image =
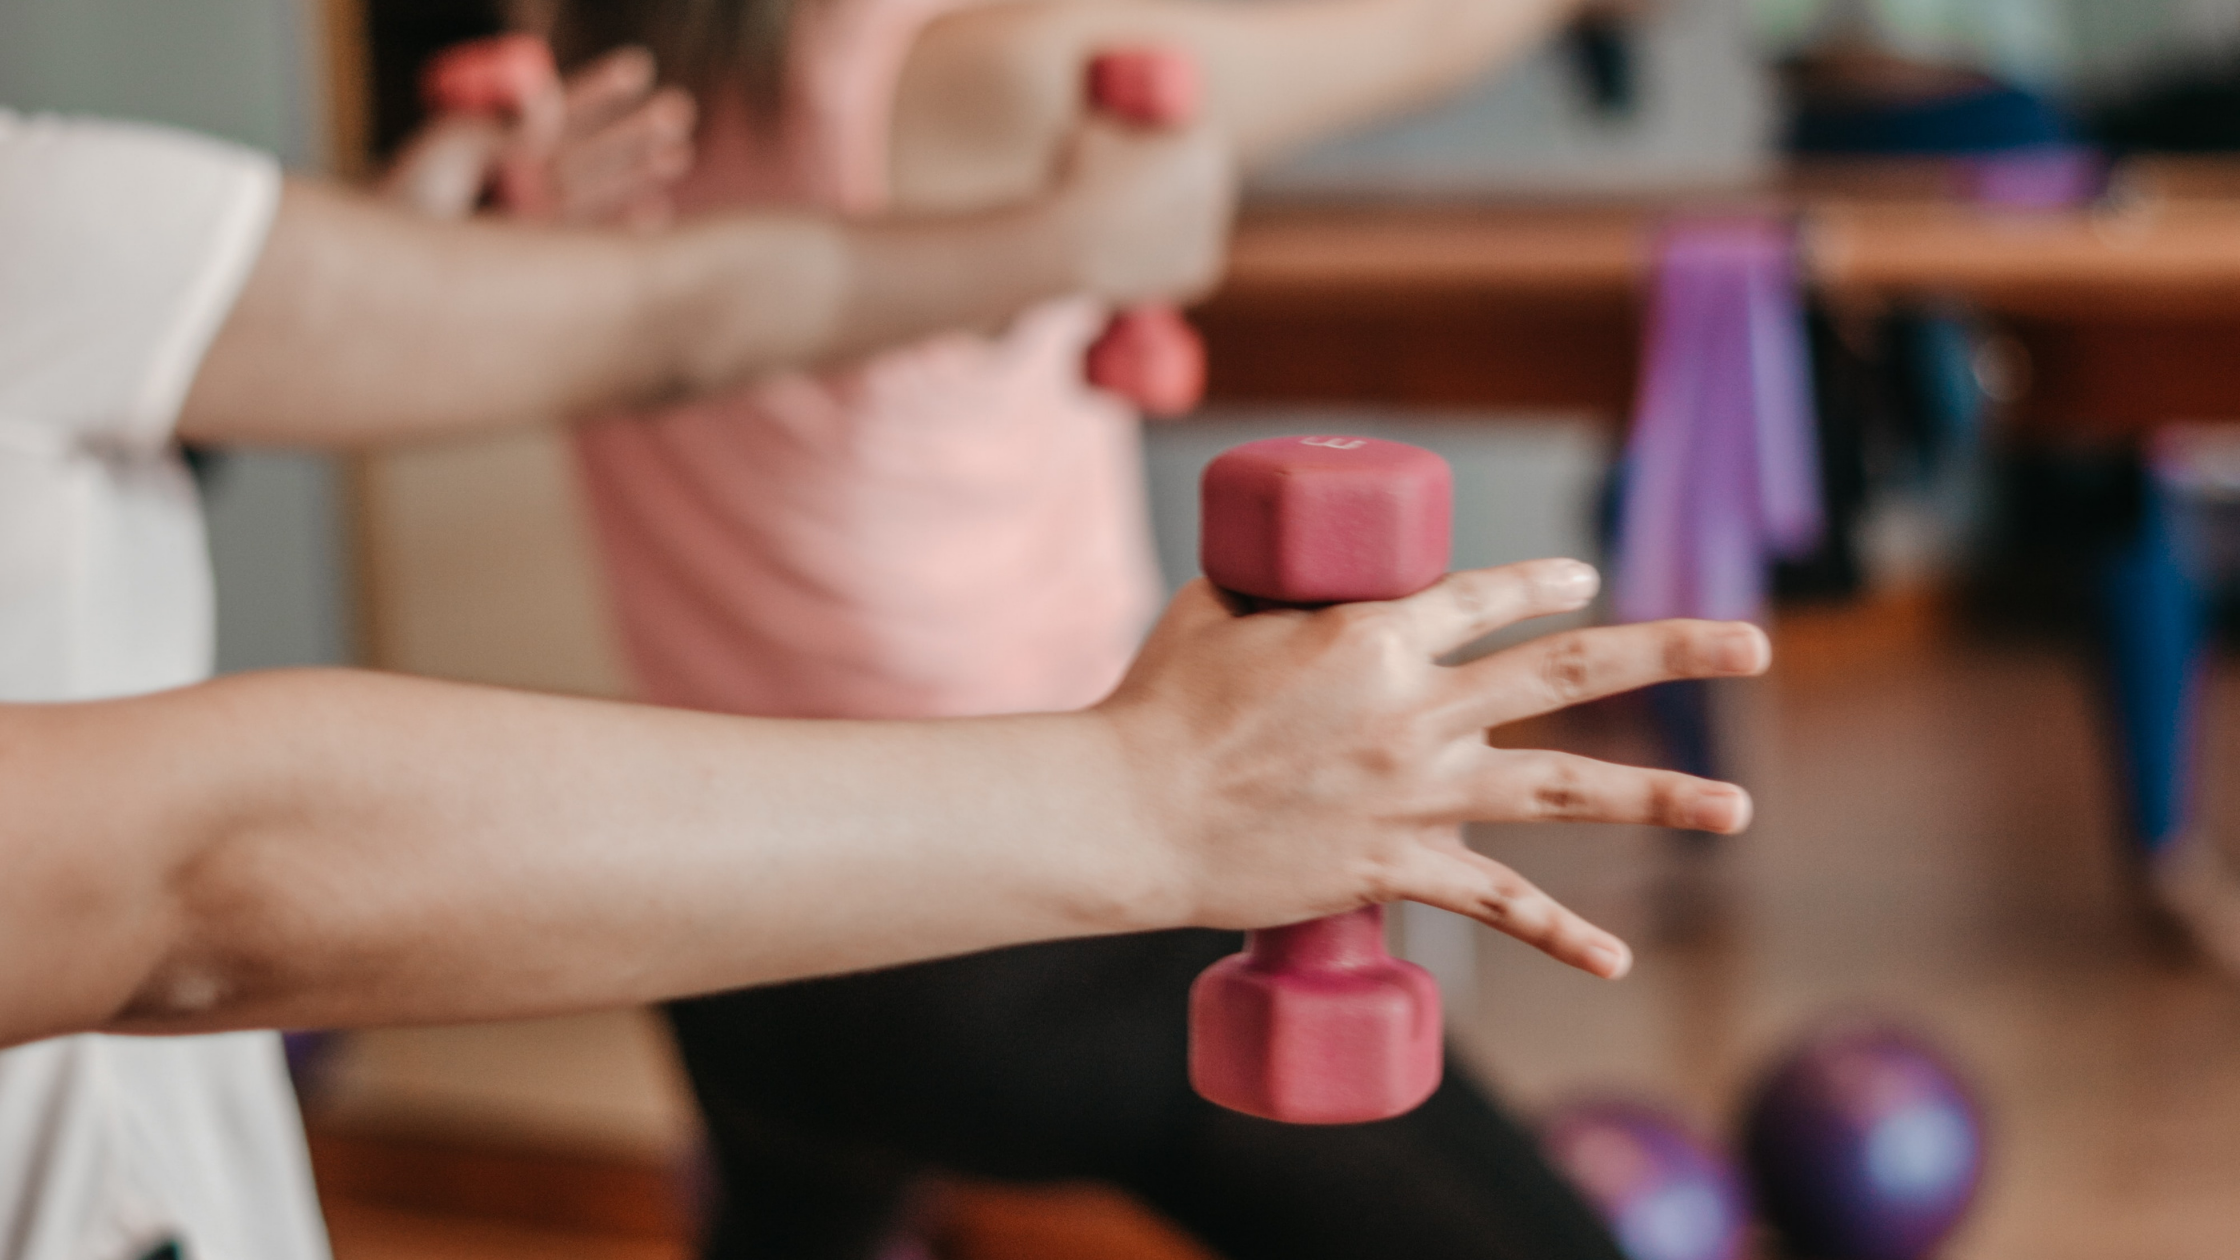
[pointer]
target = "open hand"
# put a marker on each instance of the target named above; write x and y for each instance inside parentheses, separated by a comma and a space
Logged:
(1321, 761)
(603, 148)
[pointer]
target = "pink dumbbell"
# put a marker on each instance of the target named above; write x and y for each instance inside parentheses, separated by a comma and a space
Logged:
(1315, 1023)
(488, 76)
(501, 75)
(1152, 86)
(1148, 354)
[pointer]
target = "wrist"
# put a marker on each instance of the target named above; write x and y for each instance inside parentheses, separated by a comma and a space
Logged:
(1159, 817)
(1128, 861)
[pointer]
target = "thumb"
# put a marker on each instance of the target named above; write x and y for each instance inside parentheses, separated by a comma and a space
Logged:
(445, 167)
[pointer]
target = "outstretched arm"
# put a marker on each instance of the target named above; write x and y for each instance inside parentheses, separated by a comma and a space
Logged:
(988, 92)
(362, 323)
(335, 849)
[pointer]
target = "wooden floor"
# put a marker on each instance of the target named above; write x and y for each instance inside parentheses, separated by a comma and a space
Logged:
(1933, 846)
(364, 1231)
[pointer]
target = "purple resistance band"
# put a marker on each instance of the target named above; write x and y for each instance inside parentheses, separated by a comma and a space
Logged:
(1722, 466)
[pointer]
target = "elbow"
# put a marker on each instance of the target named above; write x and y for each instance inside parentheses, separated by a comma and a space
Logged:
(216, 952)
(187, 972)
(87, 905)
(178, 996)
(209, 964)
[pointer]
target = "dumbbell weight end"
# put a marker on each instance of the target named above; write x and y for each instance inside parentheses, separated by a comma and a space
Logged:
(1316, 1023)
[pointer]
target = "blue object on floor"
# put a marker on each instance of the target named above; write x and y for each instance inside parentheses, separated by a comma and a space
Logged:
(2155, 620)
(1939, 354)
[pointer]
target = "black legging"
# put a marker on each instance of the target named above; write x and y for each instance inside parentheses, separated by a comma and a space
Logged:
(825, 1099)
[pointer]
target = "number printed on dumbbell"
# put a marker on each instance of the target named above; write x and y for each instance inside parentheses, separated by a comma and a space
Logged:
(1334, 443)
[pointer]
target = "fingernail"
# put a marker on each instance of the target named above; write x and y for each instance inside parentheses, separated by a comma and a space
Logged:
(1571, 579)
(1743, 650)
(1722, 808)
(1611, 962)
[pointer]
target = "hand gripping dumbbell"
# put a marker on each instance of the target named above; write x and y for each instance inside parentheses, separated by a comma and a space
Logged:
(1315, 1023)
(504, 75)
(1148, 354)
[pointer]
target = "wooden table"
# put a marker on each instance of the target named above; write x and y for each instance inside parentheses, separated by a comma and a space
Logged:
(2128, 313)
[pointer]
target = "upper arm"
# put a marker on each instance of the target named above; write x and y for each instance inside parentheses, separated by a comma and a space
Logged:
(121, 249)
(988, 94)
(362, 323)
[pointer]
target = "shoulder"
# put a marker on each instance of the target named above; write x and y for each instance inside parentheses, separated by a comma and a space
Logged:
(99, 149)
(125, 245)
(111, 185)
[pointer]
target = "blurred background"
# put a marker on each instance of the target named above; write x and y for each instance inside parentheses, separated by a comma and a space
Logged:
(2008, 255)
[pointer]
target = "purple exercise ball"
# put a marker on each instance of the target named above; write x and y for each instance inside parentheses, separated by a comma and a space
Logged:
(1664, 1193)
(1864, 1145)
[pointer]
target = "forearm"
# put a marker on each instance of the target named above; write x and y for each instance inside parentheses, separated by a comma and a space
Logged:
(331, 849)
(887, 282)
(362, 325)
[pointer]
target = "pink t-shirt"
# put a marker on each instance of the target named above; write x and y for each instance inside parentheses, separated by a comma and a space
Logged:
(952, 528)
